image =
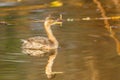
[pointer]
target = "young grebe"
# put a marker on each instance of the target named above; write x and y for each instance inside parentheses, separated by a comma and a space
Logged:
(43, 44)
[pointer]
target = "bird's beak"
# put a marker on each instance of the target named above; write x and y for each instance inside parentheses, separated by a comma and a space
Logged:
(59, 21)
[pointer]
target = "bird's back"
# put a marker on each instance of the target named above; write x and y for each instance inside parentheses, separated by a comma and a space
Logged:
(33, 44)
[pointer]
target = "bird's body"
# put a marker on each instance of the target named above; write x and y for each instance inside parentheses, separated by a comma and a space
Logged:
(41, 44)
(38, 43)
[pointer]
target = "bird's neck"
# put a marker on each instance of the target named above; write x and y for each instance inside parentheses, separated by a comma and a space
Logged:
(50, 35)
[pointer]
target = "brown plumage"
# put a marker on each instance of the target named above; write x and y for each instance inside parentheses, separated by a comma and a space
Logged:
(41, 44)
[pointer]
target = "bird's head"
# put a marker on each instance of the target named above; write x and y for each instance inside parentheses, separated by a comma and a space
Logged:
(49, 21)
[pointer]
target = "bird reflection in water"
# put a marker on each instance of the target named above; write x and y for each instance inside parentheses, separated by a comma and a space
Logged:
(41, 46)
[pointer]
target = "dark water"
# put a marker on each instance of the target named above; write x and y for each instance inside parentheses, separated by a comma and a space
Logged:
(87, 52)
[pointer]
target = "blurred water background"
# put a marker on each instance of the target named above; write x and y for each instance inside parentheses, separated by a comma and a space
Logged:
(87, 52)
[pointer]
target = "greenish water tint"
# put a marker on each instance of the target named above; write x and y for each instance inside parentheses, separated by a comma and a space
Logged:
(86, 51)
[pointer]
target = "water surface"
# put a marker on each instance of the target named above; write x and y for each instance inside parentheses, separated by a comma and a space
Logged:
(86, 52)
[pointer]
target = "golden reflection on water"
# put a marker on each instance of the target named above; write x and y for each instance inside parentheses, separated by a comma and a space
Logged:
(107, 25)
(48, 69)
(24, 8)
(91, 65)
(33, 7)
